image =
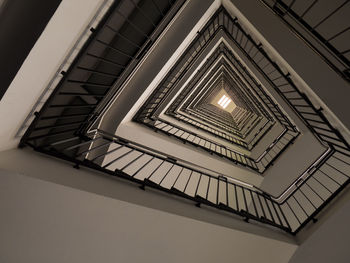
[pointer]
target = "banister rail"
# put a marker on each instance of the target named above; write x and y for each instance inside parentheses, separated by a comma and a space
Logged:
(300, 203)
(326, 36)
(151, 168)
(146, 114)
(155, 169)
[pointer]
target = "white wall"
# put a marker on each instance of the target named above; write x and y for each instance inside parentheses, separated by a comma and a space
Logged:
(307, 69)
(330, 243)
(43, 222)
(46, 222)
(57, 39)
(59, 172)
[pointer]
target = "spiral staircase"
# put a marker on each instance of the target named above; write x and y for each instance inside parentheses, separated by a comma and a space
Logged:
(192, 99)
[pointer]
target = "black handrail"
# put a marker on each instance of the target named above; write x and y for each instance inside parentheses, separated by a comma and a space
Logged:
(318, 186)
(146, 115)
(300, 208)
(99, 69)
(327, 45)
(150, 168)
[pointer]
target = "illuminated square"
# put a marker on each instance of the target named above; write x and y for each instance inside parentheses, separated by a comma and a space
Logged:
(224, 101)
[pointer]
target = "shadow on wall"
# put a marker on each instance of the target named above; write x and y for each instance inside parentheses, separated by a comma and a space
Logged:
(330, 243)
(21, 24)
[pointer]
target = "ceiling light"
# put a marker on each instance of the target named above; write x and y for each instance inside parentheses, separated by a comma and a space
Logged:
(222, 98)
(224, 101)
(227, 103)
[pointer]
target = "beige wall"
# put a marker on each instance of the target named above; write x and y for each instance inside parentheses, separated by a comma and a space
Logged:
(330, 243)
(46, 222)
(40, 66)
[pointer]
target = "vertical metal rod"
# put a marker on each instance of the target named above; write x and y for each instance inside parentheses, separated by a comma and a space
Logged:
(284, 216)
(143, 166)
(157, 7)
(171, 167)
(143, 13)
(236, 195)
(226, 193)
(161, 163)
(245, 200)
(269, 209)
(122, 36)
(293, 213)
(94, 148)
(336, 170)
(199, 181)
(125, 166)
(322, 184)
(315, 192)
(261, 205)
(308, 9)
(256, 210)
(206, 196)
(278, 216)
(115, 160)
(307, 198)
(302, 208)
(188, 180)
(177, 177)
(133, 25)
(106, 153)
(338, 34)
(332, 13)
(217, 191)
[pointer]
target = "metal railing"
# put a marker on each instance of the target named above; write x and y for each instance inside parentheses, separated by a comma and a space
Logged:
(224, 135)
(328, 175)
(321, 182)
(206, 115)
(151, 168)
(101, 66)
(322, 25)
(260, 165)
(203, 126)
(205, 143)
(79, 44)
(220, 21)
(324, 182)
